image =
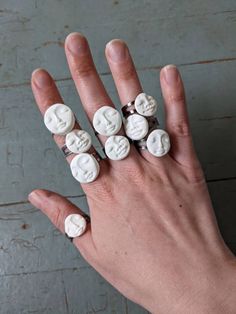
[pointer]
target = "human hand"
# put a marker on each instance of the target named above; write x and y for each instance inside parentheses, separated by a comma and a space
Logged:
(153, 232)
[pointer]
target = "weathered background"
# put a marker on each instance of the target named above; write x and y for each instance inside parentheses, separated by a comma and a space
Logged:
(40, 272)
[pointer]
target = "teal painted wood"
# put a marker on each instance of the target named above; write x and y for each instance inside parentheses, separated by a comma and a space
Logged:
(37, 264)
(41, 293)
(158, 32)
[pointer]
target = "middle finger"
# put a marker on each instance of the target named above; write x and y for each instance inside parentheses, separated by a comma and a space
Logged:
(91, 90)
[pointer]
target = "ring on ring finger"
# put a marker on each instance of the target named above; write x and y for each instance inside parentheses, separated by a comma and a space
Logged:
(142, 127)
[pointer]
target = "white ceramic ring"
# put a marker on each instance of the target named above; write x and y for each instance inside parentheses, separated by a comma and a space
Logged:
(136, 127)
(84, 168)
(145, 105)
(107, 121)
(158, 143)
(75, 225)
(117, 147)
(78, 141)
(59, 119)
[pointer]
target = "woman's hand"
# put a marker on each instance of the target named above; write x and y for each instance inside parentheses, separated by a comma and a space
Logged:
(153, 232)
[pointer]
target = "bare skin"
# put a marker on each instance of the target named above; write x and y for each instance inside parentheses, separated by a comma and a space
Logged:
(153, 232)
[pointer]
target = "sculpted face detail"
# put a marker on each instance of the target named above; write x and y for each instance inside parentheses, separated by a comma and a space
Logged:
(145, 105)
(59, 119)
(136, 127)
(158, 143)
(117, 147)
(75, 225)
(107, 121)
(78, 141)
(84, 168)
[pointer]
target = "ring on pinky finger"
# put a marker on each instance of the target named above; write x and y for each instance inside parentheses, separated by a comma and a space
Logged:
(76, 225)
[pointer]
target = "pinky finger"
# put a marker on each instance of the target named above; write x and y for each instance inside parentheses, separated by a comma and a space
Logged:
(177, 120)
(57, 208)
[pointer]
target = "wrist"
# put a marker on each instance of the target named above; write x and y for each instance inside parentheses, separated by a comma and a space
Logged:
(217, 294)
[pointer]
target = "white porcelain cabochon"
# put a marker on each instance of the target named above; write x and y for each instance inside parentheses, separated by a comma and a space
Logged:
(136, 127)
(158, 143)
(84, 168)
(107, 121)
(59, 119)
(75, 225)
(117, 147)
(145, 105)
(78, 141)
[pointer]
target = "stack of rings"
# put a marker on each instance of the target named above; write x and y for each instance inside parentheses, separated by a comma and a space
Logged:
(107, 121)
(142, 127)
(60, 120)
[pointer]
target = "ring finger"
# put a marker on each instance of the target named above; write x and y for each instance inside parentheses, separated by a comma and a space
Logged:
(126, 79)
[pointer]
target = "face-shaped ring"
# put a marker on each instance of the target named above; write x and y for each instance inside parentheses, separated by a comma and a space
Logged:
(117, 147)
(84, 168)
(107, 121)
(78, 141)
(136, 127)
(145, 105)
(158, 143)
(59, 119)
(75, 225)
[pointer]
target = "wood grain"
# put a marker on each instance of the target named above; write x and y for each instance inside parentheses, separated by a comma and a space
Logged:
(40, 271)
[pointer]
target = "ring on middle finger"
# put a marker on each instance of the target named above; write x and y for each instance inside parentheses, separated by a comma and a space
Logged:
(107, 121)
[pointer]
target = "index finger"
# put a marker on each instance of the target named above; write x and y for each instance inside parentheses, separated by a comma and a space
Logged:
(47, 94)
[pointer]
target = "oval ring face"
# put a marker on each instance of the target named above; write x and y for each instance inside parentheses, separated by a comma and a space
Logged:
(78, 141)
(107, 121)
(59, 119)
(84, 168)
(75, 225)
(145, 105)
(136, 127)
(158, 143)
(117, 147)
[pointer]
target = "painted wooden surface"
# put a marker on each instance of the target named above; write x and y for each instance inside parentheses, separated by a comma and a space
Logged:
(40, 272)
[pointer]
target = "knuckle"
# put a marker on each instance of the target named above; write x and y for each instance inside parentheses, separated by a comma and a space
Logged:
(127, 73)
(195, 174)
(135, 174)
(178, 97)
(181, 129)
(104, 188)
(57, 218)
(84, 70)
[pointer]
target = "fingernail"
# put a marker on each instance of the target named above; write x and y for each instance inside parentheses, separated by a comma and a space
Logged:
(36, 198)
(171, 74)
(77, 44)
(41, 78)
(117, 50)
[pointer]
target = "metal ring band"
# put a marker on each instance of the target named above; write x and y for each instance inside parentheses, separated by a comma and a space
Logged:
(96, 155)
(65, 150)
(69, 238)
(86, 217)
(128, 109)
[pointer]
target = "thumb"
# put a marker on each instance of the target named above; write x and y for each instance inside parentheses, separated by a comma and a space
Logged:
(57, 208)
